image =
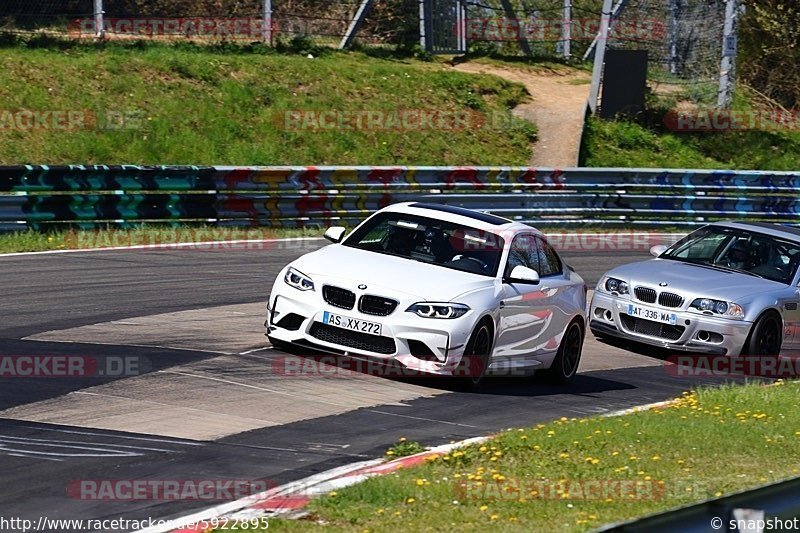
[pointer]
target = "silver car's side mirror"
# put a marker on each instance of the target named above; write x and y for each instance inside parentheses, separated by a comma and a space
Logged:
(523, 274)
(658, 249)
(335, 233)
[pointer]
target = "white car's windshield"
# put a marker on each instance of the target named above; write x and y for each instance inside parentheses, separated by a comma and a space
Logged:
(731, 249)
(431, 241)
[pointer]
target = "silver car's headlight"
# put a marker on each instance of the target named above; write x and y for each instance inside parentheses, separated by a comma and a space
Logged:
(438, 310)
(298, 280)
(616, 285)
(718, 307)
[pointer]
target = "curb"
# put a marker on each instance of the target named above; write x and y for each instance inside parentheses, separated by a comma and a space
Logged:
(288, 500)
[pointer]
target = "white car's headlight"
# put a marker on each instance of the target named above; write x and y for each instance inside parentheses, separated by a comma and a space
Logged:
(298, 280)
(438, 310)
(614, 285)
(718, 307)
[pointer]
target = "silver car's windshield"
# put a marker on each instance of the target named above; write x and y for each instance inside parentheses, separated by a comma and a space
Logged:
(430, 241)
(735, 250)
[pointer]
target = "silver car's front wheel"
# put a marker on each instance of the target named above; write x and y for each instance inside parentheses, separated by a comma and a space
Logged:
(475, 362)
(765, 337)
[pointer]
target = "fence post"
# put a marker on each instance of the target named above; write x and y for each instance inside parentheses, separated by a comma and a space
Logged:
(674, 6)
(600, 55)
(727, 67)
(267, 22)
(566, 29)
(99, 26)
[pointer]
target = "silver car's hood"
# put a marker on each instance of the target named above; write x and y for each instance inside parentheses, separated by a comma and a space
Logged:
(692, 280)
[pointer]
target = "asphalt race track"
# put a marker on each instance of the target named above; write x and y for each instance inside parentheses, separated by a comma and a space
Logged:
(205, 397)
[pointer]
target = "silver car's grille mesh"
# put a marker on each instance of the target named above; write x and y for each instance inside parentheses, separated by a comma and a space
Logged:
(645, 294)
(376, 305)
(338, 297)
(651, 328)
(352, 339)
(670, 299)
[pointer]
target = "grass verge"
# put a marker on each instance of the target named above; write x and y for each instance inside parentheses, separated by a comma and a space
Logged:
(152, 103)
(648, 143)
(146, 235)
(577, 474)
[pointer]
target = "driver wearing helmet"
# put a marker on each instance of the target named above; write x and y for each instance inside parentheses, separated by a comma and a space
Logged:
(739, 256)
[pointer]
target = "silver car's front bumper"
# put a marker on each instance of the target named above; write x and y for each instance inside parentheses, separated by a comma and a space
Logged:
(693, 332)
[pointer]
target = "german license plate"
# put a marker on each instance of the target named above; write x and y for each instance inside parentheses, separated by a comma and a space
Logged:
(353, 324)
(652, 314)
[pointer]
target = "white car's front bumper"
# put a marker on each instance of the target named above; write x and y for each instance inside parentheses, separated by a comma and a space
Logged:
(693, 332)
(431, 346)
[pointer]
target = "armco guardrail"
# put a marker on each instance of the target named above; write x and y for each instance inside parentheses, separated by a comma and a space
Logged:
(42, 197)
(744, 511)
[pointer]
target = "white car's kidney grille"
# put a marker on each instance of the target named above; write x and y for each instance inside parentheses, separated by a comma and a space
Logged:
(376, 305)
(352, 339)
(645, 294)
(670, 299)
(339, 297)
(651, 328)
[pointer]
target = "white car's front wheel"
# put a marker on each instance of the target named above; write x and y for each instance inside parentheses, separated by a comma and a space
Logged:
(475, 363)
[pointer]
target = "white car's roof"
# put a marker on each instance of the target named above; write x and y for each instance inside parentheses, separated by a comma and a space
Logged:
(461, 216)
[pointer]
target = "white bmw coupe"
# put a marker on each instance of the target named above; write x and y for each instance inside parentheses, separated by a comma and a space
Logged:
(438, 289)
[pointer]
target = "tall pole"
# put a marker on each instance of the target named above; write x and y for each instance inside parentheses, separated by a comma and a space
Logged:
(423, 41)
(99, 27)
(600, 55)
(727, 67)
(267, 22)
(674, 6)
(566, 29)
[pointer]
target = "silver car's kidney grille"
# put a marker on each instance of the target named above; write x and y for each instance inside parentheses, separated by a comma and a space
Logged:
(651, 328)
(670, 299)
(376, 305)
(338, 297)
(645, 294)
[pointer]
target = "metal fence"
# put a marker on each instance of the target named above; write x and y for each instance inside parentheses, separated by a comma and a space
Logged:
(43, 197)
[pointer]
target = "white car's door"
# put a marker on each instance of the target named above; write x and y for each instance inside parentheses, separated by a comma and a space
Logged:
(529, 320)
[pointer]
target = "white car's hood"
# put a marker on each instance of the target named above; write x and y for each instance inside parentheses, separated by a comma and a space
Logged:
(351, 266)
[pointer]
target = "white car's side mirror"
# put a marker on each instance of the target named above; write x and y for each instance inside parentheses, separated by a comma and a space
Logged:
(658, 249)
(523, 274)
(335, 233)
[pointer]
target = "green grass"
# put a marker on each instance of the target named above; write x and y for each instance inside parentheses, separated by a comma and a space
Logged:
(709, 443)
(35, 241)
(648, 143)
(187, 104)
